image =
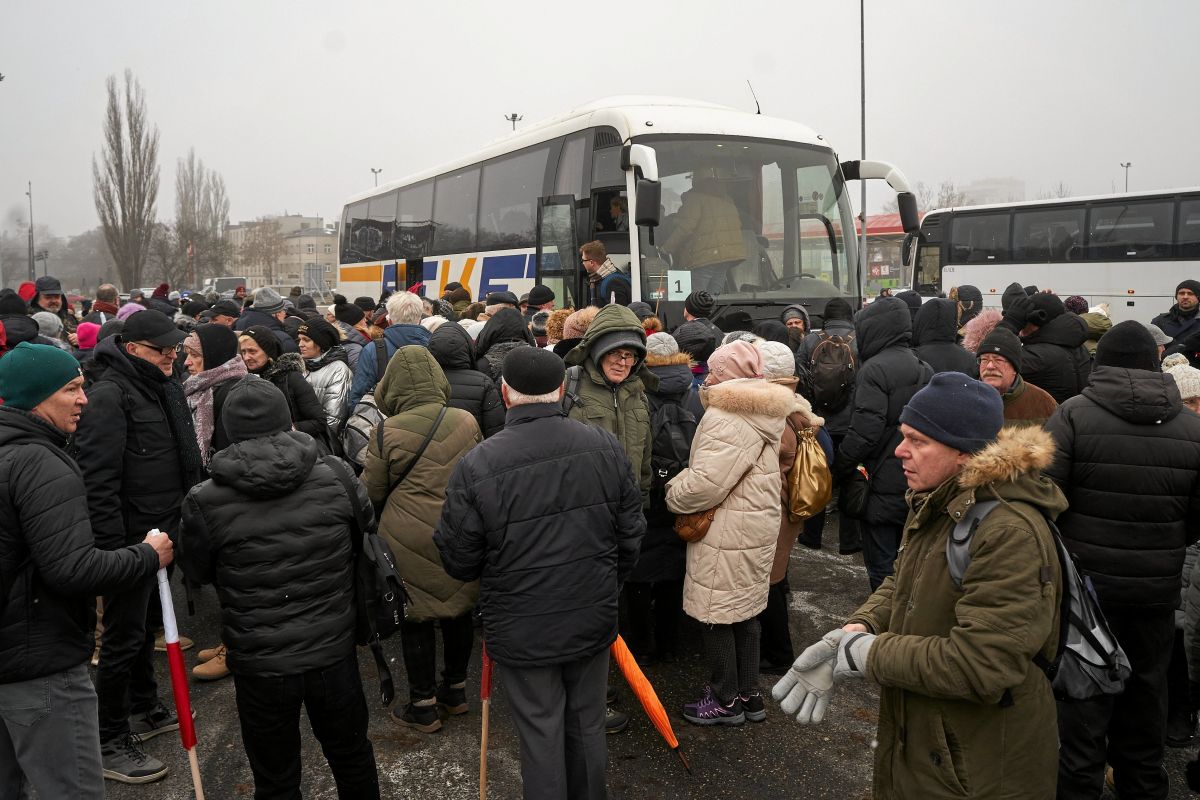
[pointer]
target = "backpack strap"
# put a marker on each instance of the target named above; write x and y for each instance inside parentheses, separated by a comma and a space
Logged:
(381, 358)
(571, 393)
(420, 450)
(958, 543)
(358, 530)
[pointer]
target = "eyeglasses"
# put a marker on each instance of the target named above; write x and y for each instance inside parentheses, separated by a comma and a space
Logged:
(169, 350)
(990, 361)
(621, 356)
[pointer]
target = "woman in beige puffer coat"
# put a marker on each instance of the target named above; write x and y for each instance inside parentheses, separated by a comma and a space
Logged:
(734, 463)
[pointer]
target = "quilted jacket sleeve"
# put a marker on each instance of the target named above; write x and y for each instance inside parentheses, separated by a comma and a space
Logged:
(461, 536)
(101, 441)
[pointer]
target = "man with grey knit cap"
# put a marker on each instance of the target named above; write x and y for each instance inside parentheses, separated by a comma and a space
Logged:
(964, 710)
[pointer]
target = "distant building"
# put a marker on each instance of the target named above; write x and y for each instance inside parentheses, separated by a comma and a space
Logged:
(310, 258)
(994, 190)
(260, 249)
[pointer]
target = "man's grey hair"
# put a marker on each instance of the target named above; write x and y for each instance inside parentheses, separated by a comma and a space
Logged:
(516, 398)
(107, 293)
(404, 308)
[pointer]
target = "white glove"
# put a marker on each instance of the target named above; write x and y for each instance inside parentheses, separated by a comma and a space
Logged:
(807, 688)
(852, 652)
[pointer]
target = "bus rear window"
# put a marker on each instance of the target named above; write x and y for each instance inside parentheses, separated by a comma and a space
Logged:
(979, 239)
(1119, 231)
(1050, 235)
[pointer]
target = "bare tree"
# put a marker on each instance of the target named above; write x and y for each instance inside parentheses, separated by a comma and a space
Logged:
(948, 196)
(125, 181)
(1055, 192)
(264, 247)
(924, 197)
(201, 212)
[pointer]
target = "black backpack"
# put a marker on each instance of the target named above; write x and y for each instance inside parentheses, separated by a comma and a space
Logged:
(379, 594)
(571, 388)
(1088, 660)
(831, 372)
(672, 428)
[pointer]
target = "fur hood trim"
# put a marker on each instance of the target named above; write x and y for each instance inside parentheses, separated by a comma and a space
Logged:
(749, 396)
(1016, 452)
(663, 361)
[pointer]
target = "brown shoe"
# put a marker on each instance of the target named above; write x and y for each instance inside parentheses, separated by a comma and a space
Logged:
(209, 653)
(160, 642)
(212, 670)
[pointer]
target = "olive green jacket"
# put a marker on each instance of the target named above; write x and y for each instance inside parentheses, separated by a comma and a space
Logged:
(412, 392)
(621, 410)
(964, 711)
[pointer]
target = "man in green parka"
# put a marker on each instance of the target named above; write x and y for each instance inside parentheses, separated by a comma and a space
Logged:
(964, 711)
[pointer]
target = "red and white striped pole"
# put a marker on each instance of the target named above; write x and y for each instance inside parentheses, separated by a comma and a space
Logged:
(179, 685)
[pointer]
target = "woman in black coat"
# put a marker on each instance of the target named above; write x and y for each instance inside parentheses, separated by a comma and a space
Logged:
(470, 389)
(260, 350)
(935, 338)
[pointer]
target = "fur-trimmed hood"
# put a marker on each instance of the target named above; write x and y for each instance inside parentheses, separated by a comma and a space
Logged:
(1010, 469)
(760, 403)
(802, 407)
(663, 361)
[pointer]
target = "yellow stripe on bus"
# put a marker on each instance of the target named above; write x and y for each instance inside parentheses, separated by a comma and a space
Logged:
(372, 272)
(465, 280)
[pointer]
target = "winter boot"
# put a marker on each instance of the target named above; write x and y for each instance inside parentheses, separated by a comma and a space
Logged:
(452, 698)
(421, 715)
(212, 670)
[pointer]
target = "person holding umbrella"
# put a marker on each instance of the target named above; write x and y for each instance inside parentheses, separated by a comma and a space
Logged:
(551, 563)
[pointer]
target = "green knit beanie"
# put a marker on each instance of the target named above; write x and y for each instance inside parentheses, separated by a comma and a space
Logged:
(30, 373)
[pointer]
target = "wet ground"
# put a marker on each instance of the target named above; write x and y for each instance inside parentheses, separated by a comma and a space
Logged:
(775, 759)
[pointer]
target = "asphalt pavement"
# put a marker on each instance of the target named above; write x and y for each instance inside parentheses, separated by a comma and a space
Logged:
(774, 759)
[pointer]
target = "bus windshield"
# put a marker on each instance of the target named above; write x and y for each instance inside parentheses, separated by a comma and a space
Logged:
(749, 219)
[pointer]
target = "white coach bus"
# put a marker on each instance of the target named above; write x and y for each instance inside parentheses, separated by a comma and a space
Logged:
(515, 213)
(1128, 250)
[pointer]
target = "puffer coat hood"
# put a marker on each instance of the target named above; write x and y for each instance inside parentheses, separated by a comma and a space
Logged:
(610, 319)
(963, 710)
(413, 378)
(884, 323)
(270, 466)
(734, 464)
(937, 321)
(506, 326)
(470, 389)
(452, 347)
(1135, 395)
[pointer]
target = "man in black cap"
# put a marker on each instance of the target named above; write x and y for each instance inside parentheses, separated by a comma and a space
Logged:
(549, 595)
(268, 310)
(1053, 352)
(256, 510)
(1000, 368)
(498, 300)
(1129, 463)
(541, 298)
(1182, 322)
(351, 320)
(226, 312)
(139, 456)
(49, 297)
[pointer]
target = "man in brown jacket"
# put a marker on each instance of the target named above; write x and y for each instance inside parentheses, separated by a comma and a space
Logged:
(964, 712)
(1000, 368)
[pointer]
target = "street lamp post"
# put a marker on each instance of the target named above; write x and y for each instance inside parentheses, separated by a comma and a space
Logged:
(514, 118)
(1127, 165)
(32, 268)
(862, 55)
(44, 257)
(376, 172)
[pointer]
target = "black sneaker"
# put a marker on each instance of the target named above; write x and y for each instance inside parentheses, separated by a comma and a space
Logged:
(615, 721)
(752, 705)
(422, 718)
(124, 760)
(612, 697)
(452, 699)
(148, 724)
(1181, 729)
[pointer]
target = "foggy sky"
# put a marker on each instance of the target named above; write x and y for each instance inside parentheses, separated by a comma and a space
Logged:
(294, 102)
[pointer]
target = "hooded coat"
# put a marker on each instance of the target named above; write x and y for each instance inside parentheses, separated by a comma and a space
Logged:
(1097, 325)
(935, 336)
(949, 659)
(734, 464)
(1129, 463)
(890, 375)
(621, 410)
(48, 557)
(272, 501)
(504, 331)
(365, 376)
(308, 415)
(470, 389)
(411, 394)
(1054, 358)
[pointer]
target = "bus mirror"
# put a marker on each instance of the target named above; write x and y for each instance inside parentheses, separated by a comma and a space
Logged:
(910, 220)
(906, 248)
(649, 197)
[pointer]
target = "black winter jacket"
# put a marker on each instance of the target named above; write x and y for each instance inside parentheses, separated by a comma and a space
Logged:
(935, 336)
(271, 530)
(251, 317)
(130, 460)
(1129, 463)
(49, 564)
(1053, 357)
(551, 529)
(836, 422)
(891, 374)
(308, 415)
(470, 389)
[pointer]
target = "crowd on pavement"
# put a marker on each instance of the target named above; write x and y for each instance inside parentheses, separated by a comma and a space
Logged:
(532, 470)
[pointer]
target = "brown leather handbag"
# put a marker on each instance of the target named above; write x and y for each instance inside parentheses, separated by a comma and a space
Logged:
(694, 527)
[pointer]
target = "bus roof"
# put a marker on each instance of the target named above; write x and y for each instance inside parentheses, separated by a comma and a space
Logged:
(630, 115)
(1148, 194)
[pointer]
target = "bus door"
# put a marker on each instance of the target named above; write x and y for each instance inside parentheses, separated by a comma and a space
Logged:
(557, 250)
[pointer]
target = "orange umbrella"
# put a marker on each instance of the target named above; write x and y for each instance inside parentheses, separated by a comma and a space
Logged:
(646, 696)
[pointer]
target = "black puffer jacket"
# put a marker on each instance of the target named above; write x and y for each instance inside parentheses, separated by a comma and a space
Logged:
(470, 389)
(48, 559)
(1129, 463)
(506, 330)
(250, 317)
(131, 462)
(1053, 357)
(271, 529)
(935, 335)
(551, 529)
(308, 415)
(663, 553)
(891, 374)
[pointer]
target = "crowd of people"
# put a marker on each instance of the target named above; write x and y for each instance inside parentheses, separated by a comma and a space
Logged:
(258, 432)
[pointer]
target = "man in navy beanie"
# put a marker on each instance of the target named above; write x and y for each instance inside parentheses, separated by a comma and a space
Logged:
(948, 657)
(1182, 321)
(1129, 462)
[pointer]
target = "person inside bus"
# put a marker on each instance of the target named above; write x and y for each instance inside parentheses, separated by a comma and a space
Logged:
(618, 208)
(706, 233)
(606, 283)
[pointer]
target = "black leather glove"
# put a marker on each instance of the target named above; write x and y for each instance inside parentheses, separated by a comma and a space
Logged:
(1017, 314)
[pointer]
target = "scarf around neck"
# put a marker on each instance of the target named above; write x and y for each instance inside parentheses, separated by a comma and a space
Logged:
(179, 418)
(199, 392)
